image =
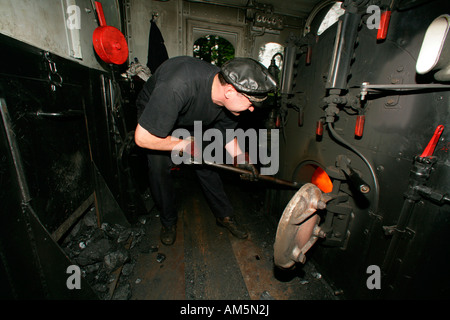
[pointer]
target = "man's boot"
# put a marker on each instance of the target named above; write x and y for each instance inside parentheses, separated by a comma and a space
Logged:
(231, 224)
(168, 234)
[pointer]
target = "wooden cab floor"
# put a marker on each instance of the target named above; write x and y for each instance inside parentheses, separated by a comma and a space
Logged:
(206, 262)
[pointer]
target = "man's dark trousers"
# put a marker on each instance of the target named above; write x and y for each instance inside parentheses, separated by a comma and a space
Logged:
(163, 191)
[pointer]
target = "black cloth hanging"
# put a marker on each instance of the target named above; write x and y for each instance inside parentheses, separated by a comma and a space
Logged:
(157, 52)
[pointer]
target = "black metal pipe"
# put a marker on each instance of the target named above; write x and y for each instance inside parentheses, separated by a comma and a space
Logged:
(419, 174)
(400, 228)
(363, 158)
(347, 31)
(287, 76)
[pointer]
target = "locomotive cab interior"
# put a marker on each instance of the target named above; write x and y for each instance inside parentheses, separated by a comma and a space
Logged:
(355, 205)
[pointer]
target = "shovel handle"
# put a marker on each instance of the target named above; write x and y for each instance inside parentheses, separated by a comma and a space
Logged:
(100, 14)
(261, 177)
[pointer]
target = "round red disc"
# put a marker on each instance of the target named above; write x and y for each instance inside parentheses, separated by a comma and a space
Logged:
(110, 45)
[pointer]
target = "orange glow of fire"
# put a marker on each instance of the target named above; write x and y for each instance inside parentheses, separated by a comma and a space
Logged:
(321, 179)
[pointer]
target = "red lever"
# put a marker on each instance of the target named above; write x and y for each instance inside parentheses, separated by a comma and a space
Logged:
(100, 14)
(384, 25)
(308, 56)
(359, 127)
(319, 128)
(300, 117)
(429, 150)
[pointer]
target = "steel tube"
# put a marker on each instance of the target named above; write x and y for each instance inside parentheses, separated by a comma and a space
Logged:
(346, 33)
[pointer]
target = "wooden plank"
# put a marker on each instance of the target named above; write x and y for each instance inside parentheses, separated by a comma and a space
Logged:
(117, 272)
(212, 271)
(257, 270)
(69, 222)
(255, 255)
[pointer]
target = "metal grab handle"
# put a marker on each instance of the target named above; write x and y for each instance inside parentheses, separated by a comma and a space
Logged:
(366, 87)
(62, 114)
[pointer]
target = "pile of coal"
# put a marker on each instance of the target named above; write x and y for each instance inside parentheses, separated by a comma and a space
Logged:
(103, 255)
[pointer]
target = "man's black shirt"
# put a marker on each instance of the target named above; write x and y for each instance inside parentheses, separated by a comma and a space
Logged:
(179, 93)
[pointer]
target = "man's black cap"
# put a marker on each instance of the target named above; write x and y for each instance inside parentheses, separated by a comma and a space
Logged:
(250, 78)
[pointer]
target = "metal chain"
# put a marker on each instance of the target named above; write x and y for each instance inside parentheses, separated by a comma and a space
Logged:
(53, 76)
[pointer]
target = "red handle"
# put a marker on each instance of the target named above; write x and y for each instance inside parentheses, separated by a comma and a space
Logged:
(100, 14)
(359, 126)
(319, 128)
(384, 25)
(308, 55)
(428, 152)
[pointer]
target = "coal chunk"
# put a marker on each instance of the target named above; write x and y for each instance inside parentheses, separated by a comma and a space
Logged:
(94, 252)
(160, 257)
(115, 259)
(122, 292)
(101, 250)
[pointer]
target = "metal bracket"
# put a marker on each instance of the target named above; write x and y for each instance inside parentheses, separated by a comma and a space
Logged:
(404, 234)
(337, 221)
